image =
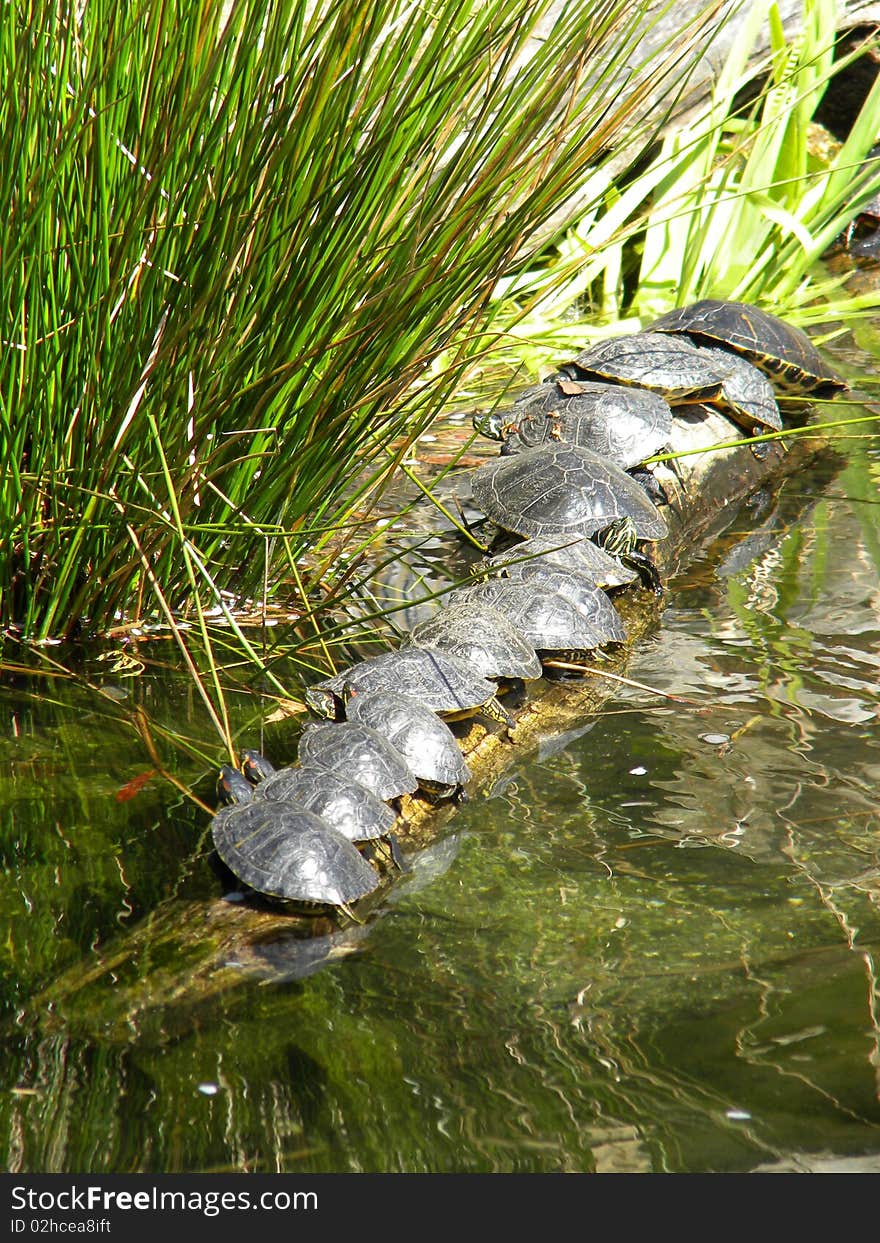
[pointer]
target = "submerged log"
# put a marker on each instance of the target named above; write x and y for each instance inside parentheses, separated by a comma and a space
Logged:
(186, 954)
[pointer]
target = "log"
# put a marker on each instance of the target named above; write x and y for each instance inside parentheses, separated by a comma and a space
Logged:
(206, 948)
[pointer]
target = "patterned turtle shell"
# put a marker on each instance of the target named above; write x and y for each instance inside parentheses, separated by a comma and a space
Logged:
(425, 742)
(359, 753)
(663, 364)
(746, 392)
(289, 853)
(481, 636)
(560, 490)
(626, 425)
(550, 623)
(352, 809)
(784, 353)
(565, 553)
(438, 679)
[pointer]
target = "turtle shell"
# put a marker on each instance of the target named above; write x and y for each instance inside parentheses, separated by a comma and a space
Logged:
(425, 742)
(481, 636)
(351, 809)
(575, 589)
(361, 754)
(438, 679)
(562, 490)
(578, 589)
(566, 553)
(626, 425)
(784, 353)
(286, 852)
(747, 392)
(652, 360)
(550, 623)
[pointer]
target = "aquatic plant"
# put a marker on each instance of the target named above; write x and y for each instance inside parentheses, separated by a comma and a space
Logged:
(737, 202)
(236, 237)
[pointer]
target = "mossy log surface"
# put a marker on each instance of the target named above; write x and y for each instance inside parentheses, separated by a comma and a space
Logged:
(184, 954)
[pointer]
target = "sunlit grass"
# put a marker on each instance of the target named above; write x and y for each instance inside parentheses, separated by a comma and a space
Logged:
(252, 249)
(736, 203)
(237, 236)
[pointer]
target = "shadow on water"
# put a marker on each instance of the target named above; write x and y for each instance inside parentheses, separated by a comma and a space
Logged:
(654, 947)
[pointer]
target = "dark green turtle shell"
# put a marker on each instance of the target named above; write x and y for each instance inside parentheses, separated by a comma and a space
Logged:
(652, 360)
(566, 584)
(286, 852)
(550, 623)
(747, 393)
(351, 809)
(361, 754)
(565, 553)
(560, 490)
(579, 590)
(439, 680)
(481, 636)
(625, 425)
(784, 353)
(426, 743)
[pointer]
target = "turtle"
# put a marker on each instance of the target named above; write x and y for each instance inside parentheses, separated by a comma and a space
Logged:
(664, 364)
(481, 636)
(625, 425)
(578, 589)
(555, 609)
(747, 393)
(862, 235)
(561, 490)
(352, 809)
(441, 681)
(785, 354)
(422, 738)
(285, 852)
(361, 754)
(564, 552)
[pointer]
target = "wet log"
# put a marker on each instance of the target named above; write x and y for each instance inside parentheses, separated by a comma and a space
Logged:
(187, 954)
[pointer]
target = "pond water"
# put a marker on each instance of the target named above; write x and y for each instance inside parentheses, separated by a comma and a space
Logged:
(653, 948)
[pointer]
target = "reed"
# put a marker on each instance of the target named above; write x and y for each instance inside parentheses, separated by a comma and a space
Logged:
(238, 237)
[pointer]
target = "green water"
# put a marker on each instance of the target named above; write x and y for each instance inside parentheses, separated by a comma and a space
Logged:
(645, 951)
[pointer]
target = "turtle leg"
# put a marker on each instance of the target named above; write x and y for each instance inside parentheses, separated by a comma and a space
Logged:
(495, 711)
(469, 527)
(648, 481)
(396, 854)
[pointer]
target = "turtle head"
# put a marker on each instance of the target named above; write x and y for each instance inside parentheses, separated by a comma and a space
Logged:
(489, 425)
(619, 537)
(322, 701)
(233, 786)
(255, 766)
(349, 691)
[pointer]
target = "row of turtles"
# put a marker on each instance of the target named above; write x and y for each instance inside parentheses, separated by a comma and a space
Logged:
(570, 483)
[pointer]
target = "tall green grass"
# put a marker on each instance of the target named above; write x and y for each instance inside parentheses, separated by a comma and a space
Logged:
(736, 202)
(235, 238)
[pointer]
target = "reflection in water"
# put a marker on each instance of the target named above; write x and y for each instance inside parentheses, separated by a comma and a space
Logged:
(646, 951)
